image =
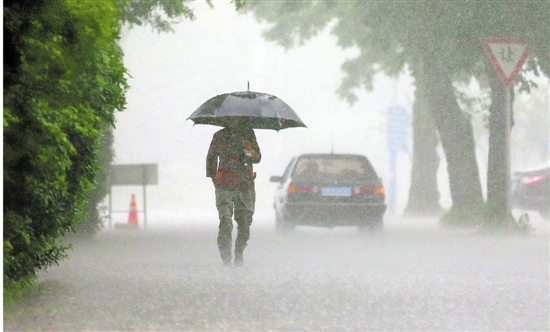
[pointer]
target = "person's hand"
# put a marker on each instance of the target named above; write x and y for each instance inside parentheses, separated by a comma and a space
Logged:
(248, 149)
(216, 178)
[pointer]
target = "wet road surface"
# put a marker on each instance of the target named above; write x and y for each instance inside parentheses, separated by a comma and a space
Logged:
(415, 277)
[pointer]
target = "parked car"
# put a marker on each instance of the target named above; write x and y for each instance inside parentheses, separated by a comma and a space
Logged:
(531, 190)
(329, 190)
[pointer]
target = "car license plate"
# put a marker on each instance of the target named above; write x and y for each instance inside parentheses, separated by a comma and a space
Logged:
(336, 191)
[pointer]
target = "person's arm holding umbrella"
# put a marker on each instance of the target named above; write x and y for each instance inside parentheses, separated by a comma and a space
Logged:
(252, 149)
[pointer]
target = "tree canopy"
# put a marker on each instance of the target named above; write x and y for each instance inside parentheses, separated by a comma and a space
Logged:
(392, 34)
(159, 14)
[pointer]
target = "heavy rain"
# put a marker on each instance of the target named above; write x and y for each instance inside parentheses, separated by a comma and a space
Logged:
(165, 274)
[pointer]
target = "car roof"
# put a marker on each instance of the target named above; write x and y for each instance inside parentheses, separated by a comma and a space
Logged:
(538, 168)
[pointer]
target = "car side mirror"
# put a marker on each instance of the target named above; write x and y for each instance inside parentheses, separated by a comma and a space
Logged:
(276, 179)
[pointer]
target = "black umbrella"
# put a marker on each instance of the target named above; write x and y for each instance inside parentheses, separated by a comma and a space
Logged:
(262, 110)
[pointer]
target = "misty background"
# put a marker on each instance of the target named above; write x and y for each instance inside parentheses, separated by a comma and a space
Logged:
(172, 74)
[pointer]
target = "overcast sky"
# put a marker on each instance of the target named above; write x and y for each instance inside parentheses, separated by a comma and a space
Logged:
(172, 74)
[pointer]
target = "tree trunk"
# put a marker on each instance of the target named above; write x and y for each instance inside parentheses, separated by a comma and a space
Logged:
(423, 193)
(498, 171)
(457, 138)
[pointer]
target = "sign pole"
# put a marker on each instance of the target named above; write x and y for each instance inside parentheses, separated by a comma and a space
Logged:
(507, 57)
(144, 207)
(144, 174)
(508, 149)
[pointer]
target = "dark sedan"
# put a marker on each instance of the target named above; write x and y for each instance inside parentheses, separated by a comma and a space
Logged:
(531, 190)
(329, 190)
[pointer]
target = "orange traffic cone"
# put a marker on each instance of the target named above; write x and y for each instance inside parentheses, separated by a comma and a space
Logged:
(132, 216)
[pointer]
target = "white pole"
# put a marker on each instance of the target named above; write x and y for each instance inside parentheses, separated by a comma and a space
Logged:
(144, 184)
(144, 207)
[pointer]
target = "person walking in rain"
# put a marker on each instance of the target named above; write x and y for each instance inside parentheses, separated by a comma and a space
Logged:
(229, 161)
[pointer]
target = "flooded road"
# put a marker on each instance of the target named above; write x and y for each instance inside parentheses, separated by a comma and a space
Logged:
(415, 276)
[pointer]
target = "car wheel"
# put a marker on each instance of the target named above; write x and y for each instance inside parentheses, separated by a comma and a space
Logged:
(282, 225)
(373, 226)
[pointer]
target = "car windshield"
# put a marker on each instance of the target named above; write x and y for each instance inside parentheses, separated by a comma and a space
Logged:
(333, 166)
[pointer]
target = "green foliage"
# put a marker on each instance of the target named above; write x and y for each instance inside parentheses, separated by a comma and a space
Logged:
(64, 79)
(159, 14)
(94, 221)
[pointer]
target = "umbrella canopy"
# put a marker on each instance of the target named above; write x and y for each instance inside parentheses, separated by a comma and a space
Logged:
(262, 110)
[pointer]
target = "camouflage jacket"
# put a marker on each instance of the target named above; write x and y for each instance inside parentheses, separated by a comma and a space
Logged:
(226, 161)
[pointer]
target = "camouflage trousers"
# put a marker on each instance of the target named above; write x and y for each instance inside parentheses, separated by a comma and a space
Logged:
(240, 204)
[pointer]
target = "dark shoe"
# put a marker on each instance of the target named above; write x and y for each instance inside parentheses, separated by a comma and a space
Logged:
(239, 261)
(226, 257)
